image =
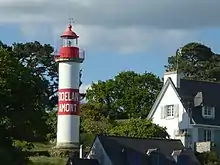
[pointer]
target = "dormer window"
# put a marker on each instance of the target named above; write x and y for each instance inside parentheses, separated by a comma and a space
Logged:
(208, 112)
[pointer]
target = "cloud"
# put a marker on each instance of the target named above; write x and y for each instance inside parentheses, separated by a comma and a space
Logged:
(126, 26)
(84, 87)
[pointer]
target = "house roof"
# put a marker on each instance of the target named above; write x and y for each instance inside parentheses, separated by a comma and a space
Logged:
(122, 150)
(141, 145)
(209, 92)
(187, 93)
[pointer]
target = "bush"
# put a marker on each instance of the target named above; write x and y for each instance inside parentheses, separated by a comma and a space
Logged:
(208, 158)
(87, 139)
(23, 145)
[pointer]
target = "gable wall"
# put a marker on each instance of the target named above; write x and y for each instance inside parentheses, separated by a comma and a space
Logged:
(171, 124)
(97, 152)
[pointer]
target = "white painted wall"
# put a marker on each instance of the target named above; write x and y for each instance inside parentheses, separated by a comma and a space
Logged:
(69, 75)
(98, 152)
(181, 122)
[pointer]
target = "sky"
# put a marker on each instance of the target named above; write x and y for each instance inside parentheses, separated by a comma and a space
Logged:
(117, 35)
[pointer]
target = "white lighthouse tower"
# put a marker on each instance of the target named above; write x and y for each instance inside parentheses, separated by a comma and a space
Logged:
(69, 59)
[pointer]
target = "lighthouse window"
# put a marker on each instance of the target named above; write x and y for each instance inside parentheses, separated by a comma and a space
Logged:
(68, 42)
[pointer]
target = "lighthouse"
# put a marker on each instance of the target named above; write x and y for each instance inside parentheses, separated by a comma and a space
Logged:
(68, 121)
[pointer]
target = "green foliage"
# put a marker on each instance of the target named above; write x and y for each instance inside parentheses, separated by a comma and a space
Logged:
(129, 94)
(96, 127)
(87, 139)
(26, 84)
(208, 158)
(141, 128)
(92, 121)
(43, 160)
(52, 123)
(24, 145)
(196, 61)
(28, 81)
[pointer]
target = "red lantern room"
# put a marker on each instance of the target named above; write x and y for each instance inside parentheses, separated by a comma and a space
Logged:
(69, 50)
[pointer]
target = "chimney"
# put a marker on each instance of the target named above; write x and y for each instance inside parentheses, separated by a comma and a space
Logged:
(81, 152)
(175, 77)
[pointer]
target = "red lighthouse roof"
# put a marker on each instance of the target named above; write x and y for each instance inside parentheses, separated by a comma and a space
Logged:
(69, 33)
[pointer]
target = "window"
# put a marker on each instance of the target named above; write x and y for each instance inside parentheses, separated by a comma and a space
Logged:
(207, 135)
(208, 112)
(69, 42)
(170, 110)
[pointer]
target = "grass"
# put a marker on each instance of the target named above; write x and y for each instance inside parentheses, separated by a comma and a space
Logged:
(42, 146)
(43, 160)
(43, 154)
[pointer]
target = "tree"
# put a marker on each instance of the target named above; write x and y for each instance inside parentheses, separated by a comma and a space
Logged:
(129, 94)
(9, 76)
(27, 86)
(33, 85)
(93, 122)
(141, 128)
(52, 124)
(39, 60)
(196, 61)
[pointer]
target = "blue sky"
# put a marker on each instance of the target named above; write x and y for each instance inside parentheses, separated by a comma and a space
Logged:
(105, 65)
(99, 65)
(139, 37)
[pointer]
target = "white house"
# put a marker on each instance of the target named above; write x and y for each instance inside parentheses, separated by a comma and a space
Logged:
(189, 109)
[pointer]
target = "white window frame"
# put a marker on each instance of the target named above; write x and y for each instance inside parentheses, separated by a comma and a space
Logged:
(207, 135)
(208, 112)
(170, 110)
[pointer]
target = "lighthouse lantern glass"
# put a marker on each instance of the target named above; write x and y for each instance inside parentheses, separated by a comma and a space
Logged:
(68, 42)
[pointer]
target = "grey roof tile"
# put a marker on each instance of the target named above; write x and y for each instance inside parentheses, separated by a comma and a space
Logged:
(127, 150)
(209, 92)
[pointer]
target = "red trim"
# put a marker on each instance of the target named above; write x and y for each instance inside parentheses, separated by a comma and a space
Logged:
(69, 52)
(68, 101)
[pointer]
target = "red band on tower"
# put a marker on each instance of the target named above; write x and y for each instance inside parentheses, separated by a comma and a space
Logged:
(68, 101)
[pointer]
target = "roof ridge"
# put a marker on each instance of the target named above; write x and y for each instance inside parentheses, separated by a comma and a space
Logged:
(202, 81)
(140, 138)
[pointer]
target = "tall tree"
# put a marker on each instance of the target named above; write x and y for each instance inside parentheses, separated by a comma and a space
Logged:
(129, 94)
(39, 60)
(34, 86)
(196, 61)
(28, 83)
(12, 105)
